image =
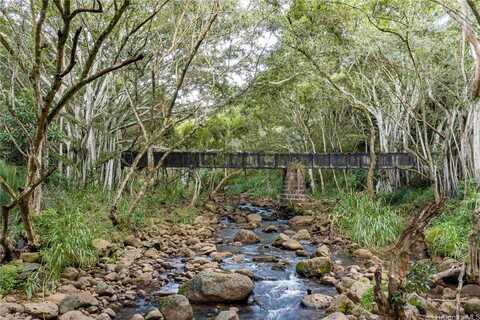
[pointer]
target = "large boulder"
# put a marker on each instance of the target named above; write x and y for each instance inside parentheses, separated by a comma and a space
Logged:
(218, 286)
(300, 221)
(314, 267)
(280, 240)
(69, 302)
(42, 310)
(175, 307)
(317, 301)
(246, 237)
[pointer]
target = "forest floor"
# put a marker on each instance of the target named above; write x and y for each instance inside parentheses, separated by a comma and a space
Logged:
(238, 257)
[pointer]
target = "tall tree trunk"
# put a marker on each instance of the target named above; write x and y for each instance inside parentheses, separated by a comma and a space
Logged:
(473, 262)
(372, 164)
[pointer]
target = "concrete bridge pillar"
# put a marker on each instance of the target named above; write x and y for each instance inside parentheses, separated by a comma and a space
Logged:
(293, 184)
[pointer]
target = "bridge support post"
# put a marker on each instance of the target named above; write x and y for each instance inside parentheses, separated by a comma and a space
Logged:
(293, 184)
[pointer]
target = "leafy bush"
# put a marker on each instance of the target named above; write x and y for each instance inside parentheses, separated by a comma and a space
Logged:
(258, 184)
(448, 234)
(419, 277)
(409, 197)
(9, 278)
(66, 240)
(368, 222)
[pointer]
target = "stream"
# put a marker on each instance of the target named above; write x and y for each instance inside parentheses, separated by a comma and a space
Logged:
(278, 289)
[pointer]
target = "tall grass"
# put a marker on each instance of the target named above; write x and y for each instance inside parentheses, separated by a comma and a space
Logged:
(369, 222)
(66, 240)
(448, 234)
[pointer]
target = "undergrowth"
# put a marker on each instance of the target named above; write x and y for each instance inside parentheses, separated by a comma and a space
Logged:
(367, 221)
(448, 234)
(266, 183)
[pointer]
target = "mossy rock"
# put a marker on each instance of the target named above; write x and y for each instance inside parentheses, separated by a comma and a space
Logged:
(315, 267)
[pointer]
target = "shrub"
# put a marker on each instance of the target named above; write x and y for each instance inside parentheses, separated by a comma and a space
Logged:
(419, 277)
(9, 278)
(368, 222)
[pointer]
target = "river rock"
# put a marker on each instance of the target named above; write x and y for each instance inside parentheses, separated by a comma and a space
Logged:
(102, 246)
(302, 234)
(360, 287)
(175, 307)
(32, 257)
(137, 317)
(131, 240)
(292, 244)
(69, 302)
(472, 306)
(270, 228)
(447, 264)
(323, 251)
(314, 267)
(448, 307)
(300, 221)
(218, 286)
(43, 310)
(10, 308)
(154, 314)
(75, 315)
(317, 301)
(206, 219)
(254, 219)
(362, 253)
(471, 290)
(228, 315)
(246, 237)
(70, 274)
(280, 240)
(336, 316)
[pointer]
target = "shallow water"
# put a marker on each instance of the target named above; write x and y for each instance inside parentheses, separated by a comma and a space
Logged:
(278, 291)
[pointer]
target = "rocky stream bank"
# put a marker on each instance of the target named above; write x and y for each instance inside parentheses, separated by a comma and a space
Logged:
(233, 262)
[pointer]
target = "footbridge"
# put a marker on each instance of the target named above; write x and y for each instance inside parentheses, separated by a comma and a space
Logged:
(293, 164)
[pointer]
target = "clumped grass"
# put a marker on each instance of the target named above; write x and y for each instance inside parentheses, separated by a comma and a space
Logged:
(9, 278)
(267, 183)
(185, 215)
(13, 176)
(66, 240)
(369, 222)
(448, 234)
(408, 198)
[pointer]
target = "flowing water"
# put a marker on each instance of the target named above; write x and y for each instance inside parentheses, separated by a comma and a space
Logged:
(278, 289)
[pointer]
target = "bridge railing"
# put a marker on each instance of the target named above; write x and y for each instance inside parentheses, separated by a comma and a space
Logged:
(246, 160)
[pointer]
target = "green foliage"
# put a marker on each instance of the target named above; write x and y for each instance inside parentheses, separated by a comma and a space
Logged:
(9, 278)
(258, 184)
(419, 277)
(368, 300)
(408, 197)
(185, 215)
(448, 234)
(369, 222)
(66, 240)
(14, 178)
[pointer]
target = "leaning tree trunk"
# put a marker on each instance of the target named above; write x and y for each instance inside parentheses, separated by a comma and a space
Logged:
(391, 306)
(473, 262)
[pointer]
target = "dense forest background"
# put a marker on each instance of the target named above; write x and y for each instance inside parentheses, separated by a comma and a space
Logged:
(82, 81)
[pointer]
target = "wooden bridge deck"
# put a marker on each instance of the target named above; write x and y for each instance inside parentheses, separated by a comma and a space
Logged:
(253, 160)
